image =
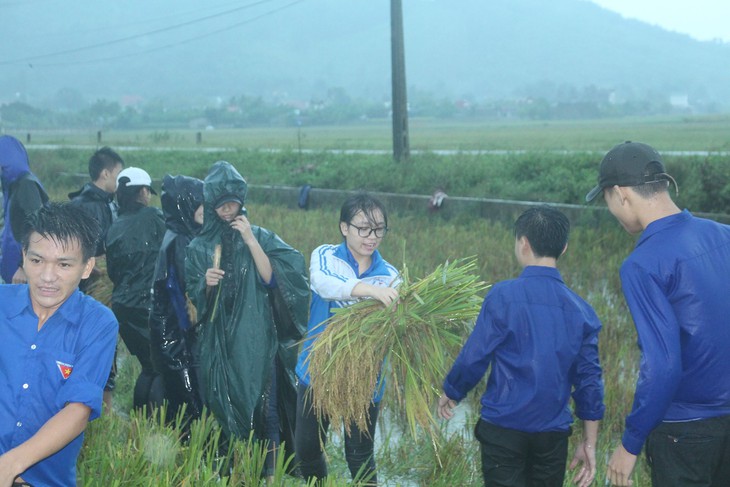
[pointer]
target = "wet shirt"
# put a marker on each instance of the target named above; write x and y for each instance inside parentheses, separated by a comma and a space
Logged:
(333, 274)
(67, 361)
(676, 286)
(541, 340)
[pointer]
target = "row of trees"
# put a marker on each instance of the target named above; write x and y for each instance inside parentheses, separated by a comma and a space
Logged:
(336, 107)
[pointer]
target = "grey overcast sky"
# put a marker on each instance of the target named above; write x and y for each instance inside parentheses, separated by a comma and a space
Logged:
(704, 20)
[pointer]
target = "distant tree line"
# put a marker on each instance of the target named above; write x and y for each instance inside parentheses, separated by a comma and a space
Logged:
(542, 101)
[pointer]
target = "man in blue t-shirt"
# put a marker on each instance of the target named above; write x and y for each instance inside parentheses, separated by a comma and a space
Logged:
(56, 350)
(675, 283)
(541, 341)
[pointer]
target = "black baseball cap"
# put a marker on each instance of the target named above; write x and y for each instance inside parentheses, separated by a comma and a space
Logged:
(629, 164)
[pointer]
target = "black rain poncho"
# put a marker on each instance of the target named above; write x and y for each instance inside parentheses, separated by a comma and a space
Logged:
(172, 336)
(250, 326)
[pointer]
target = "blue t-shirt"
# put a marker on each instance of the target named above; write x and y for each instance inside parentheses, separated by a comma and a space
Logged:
(676, 285)
(67, 361)
(541, 340)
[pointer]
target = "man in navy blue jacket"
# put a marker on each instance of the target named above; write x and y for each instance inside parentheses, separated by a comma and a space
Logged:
(541, 340)
(675, 283)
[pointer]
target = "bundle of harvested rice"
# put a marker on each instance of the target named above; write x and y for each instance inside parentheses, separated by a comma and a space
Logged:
(419, 337)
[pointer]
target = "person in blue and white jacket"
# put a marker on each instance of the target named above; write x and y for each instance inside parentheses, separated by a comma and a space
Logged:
(339, 276)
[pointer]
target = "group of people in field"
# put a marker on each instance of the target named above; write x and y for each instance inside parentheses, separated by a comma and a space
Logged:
(221, 314)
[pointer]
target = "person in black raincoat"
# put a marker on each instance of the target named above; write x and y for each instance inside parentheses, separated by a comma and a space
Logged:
(22, 193)
(254, 311)
(97, 196)
(97, 199)
(171, 332)
(132, 244)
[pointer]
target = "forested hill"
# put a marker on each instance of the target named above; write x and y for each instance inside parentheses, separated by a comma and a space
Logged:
(299, 49)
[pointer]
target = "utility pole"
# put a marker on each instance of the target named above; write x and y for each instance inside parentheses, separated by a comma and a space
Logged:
(401, 149)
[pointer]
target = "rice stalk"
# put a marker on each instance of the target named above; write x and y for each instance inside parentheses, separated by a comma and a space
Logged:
(411, 342)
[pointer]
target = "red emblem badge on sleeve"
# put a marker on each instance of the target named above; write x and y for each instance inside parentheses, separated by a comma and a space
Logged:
(65, 369)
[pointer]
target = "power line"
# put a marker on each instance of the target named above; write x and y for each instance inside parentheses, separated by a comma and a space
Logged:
(146, 21)
(167, 46)
(137, 36)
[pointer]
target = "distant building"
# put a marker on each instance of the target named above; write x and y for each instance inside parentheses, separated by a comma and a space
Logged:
(679, 101)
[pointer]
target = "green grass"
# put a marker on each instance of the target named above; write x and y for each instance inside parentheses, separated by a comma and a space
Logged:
(666, 133)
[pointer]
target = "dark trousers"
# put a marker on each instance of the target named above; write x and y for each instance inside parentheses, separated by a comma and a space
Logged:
(690, 453)
(135, 333)
(512, 458)
(311, 435)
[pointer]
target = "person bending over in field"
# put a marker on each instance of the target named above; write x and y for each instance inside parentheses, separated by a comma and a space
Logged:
(675, 283)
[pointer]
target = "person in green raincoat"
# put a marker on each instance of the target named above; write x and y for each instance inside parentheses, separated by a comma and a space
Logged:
(252, 311)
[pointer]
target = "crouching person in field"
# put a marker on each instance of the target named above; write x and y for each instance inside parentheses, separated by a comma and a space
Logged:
(541, 340)
(55, 353)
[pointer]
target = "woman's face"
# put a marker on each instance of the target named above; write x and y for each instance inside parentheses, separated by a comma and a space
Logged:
(228, 211)
(198, 215)
(360, 233)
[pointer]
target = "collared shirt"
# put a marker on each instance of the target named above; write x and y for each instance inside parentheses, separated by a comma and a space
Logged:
(541, 340)
(67, 361)
(676, 286)
(333, 273)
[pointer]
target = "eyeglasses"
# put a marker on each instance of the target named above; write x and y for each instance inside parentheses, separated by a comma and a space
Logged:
(365, 232)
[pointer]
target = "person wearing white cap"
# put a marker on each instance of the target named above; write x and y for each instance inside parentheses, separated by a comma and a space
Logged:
(132, 245)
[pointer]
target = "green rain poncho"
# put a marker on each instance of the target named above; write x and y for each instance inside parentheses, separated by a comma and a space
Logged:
(245, 326)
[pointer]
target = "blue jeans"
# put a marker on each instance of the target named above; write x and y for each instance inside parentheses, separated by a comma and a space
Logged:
(512, 458)
(690, 453)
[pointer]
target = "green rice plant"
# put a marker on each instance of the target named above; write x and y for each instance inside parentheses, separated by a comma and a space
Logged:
(419, 336)
(143, 450)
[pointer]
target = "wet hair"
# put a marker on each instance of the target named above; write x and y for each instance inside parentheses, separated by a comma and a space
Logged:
(104, 158)
(127, 196)
(364, 202)
(64, 223)
(546, 229)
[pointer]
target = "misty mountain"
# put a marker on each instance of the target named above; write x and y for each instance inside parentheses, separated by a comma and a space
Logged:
(298, 49)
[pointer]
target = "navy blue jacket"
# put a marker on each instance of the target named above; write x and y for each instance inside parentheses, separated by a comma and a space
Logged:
(676, 286)
(541, 340)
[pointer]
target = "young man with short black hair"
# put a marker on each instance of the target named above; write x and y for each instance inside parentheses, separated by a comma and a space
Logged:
(541, 340)
(56, 350)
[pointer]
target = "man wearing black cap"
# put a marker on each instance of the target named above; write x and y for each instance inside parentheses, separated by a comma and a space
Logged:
(675, 284)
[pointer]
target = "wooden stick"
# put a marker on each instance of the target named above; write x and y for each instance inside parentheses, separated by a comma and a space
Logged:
(217, 257)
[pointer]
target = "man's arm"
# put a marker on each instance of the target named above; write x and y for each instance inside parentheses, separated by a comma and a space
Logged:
(260, 259)
(55, 434)
(661, 364)
(585, 455)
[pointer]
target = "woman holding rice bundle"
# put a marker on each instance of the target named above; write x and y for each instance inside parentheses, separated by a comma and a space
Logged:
(339, 276)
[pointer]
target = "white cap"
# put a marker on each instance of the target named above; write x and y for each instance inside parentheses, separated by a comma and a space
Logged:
(136, 176)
